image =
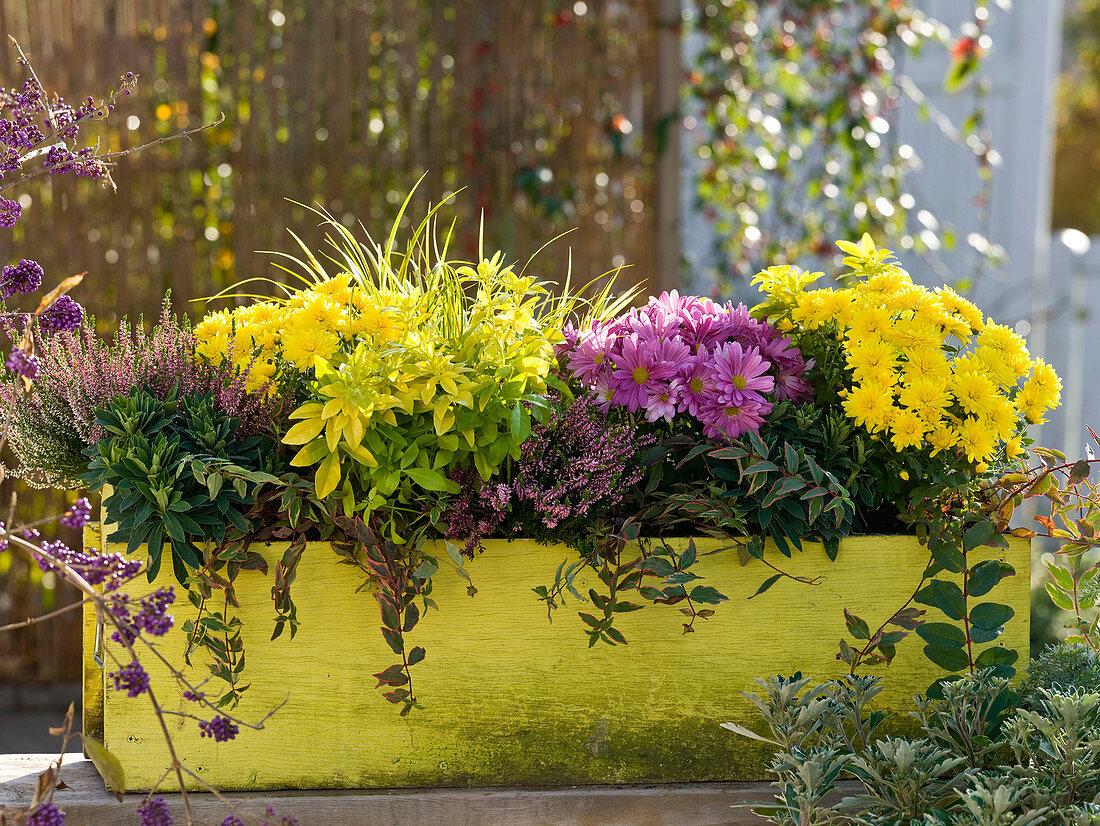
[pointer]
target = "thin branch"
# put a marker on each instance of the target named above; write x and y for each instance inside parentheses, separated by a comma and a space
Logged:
(33, 620)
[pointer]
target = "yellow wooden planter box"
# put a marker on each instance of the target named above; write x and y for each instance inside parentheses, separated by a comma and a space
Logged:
(511, 699)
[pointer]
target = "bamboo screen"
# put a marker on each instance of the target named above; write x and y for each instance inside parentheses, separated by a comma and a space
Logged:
(544, 112)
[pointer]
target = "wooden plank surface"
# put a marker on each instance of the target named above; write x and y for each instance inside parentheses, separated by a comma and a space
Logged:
(511, 698)
(697, 804)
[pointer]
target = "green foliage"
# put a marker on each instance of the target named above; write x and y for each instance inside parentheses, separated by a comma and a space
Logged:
(179, 476)
(1060, 668)
(796, 102)
(43, 435)
(981, 758)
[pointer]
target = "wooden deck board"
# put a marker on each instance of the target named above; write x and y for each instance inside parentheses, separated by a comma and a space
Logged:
(695, 804)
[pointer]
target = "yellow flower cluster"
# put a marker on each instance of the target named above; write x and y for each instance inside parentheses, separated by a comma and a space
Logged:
(927, 369)
(271, 336)
(409, 376)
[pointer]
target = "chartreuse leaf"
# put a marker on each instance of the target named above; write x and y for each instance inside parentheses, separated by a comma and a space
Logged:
(311, 454)
(328, 475)
(304, 432)
(109, 767)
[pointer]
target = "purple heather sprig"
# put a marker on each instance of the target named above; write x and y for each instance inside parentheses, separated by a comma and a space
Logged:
(153, 811)
(132, 679)
(24, 277)
(687, 356)
(63, 315)
(46, 814)
(579, 462)
(78, 515)
(222, 729)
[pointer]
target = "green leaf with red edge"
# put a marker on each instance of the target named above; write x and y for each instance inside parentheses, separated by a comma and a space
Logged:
(391, 617)
(398, 695)
(412, 616)
(766, 584)
(785, 486)
(394, 640)
(616, 635)
(1079, 472)
(761, 466)
(393, 676)
(790, 458)
(688, 557)
(590, 620)
(907, 618)
(857, 626)
(847, 653)
(415, 655)
(707, 595)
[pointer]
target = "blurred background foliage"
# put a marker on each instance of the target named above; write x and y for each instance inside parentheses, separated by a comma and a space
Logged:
(1077, 150)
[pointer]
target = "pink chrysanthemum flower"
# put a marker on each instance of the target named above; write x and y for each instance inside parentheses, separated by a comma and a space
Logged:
(591, 356)
(698, 385)
(653, 323)
(727, 420)
(604, 392)
(638, 373)
(741, 373)
(664, 403)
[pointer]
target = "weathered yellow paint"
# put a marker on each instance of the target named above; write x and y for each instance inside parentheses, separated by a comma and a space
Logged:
(512, 699)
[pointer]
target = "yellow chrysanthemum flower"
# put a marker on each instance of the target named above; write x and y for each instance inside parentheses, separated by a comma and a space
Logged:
(871, 356)
(943, 437)
(926, 396)
(319, 311)
(1045, 379)
(868, 320)
(1032, 403)
(907, 430)
(974, 390)
(955, 303)
(870, 405)
(915, 334)
(1002, 339)
(929, 363)
(1000, 416)
(301, 344)
(259, 374)
(1014, 447)
(975, 439)
(213, 345)
(337, 288)
(996, 366)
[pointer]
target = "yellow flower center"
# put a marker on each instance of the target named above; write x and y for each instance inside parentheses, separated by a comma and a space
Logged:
(696, 385)
(740, 382)
(640, 375)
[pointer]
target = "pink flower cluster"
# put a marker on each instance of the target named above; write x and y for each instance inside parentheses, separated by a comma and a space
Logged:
(685, 355)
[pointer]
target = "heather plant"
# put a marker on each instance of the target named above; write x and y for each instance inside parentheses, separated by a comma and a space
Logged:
(80, 373)
(572, 475)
